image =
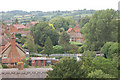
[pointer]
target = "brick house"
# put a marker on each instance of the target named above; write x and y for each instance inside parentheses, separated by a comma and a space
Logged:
(31, 24)
(16, 28)
(19, 28)
(12, 52)
(42, 61)
(75, 34)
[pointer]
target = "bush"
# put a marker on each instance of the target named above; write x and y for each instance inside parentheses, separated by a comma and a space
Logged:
(4, 66)
(58, 49)
(25, 63)
(80, 49)
(0, 66)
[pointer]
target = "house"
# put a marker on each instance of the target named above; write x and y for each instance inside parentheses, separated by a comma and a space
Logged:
(75, 34)
(12, 52)
(42, 61)
(31, 24)
(16, 28)
(19, 28)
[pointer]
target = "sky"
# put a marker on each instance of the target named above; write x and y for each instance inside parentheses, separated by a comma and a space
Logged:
(54, 5)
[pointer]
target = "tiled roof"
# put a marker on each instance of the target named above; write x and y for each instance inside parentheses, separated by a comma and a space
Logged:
(69, 30)
(19, 26)
(75, 29)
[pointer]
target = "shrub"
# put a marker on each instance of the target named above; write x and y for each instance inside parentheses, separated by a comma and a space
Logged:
(25, 63)
(4, 66)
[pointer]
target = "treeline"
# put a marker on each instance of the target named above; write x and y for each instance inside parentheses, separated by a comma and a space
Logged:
(40, 15)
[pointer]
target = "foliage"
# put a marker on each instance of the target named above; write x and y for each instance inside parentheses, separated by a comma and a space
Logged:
(18, 35)
(106, 65)
(99, 74)
(60, 22)
(109, 49)
(0, 66)
(58, 49)
(65, 68)
(89, 66)
(64, 38)
(48, 48)
(4, 66)
(41, 32)
(84, 20)
(64, 41)
(16, 21)
(30, 44)
(23, 40)
(25, 63)
(80, 49)
(101, 28)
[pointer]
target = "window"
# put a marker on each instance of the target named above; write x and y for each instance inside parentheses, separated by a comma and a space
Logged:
(5, 56)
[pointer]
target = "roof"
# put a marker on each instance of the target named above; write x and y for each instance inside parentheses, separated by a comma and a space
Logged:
(19, 26)
(19, 55)
(42, 58)
(5, 40)
(31, 24)
(69, 29)
(75, 29)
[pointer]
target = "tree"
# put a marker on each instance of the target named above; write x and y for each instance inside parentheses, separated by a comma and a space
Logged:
(58, 49)
(84, 20)
(65, 68)
(41, 32)
(64, 38)
(106, 65)
(30, 44)
(99, 74)
(48, 48)
(109, 49)
(64, 41)
(16, 21)
(101, 28)
(60, 22)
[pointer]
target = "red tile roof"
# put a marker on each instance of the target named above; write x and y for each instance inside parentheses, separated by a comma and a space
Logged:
(69, 30)
(19, 26)
(75, 29)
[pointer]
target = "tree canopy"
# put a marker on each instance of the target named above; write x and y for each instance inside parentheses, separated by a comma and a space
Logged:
(41, 32)
(61, 22)
(48, 47)
(101, 28)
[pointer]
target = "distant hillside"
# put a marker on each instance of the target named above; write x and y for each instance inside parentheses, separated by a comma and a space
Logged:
(24, 16)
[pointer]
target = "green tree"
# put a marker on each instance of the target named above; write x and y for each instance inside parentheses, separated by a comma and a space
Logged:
(84, 20)
(48, 48)
(109, 49)
(16, 21)
(99, 74)
(65, 68)
(30, 44)
(41, 32)
(58, 49)
(101, 28)
(64, 41)
(25, 63)
(60, 22)
(106, 65)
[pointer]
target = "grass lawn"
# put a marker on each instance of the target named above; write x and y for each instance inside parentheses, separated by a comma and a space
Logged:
(76, 43)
